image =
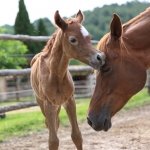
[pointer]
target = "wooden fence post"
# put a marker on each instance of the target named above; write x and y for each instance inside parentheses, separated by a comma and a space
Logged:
(17, 84)
(91, 83)
(3, 95)
(148, 81)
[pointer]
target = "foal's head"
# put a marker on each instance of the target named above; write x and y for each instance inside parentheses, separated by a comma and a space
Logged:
(122, 76)
(76, 41)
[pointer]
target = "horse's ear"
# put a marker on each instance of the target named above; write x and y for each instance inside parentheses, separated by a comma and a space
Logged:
(59, 21)
(80, 16)
(116, 27)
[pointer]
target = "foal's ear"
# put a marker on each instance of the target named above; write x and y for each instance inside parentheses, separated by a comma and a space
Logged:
(116, 27)
(80, 16)
(59, 21)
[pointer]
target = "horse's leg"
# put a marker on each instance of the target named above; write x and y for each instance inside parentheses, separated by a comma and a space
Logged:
(76, 136)
(51, 121)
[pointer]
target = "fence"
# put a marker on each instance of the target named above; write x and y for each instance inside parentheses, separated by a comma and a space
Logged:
(17, 75)
(83, 88)
(30, 38)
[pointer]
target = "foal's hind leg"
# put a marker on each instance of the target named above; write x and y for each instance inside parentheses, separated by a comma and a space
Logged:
(51, 121)
(76, 136)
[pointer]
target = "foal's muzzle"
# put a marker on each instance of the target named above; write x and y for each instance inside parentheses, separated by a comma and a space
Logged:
(101, 58)
(98, 61)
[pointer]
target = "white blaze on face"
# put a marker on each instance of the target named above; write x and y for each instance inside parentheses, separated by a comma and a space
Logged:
(84, 31)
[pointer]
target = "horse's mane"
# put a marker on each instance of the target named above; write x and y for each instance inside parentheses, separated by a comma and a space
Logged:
(136, 19)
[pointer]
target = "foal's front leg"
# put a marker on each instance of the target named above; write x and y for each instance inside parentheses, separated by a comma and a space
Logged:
(52, 124)
(76, 136)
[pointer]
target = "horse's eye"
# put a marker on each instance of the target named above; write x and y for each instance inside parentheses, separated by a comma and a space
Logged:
(105, 70)
(73, 40)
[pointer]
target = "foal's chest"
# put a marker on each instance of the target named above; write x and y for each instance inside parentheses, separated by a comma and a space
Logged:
(59, 90)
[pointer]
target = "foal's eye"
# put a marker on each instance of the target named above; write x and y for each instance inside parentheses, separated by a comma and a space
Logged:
(73, 40)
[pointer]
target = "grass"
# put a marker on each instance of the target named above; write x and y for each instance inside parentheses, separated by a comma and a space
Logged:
(23, 124)
(138, 100)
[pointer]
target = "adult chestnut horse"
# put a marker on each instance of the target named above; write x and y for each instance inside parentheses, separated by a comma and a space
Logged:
(51, 80)
(127, 50)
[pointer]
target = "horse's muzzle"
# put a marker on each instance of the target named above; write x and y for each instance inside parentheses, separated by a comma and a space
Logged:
(100, 122)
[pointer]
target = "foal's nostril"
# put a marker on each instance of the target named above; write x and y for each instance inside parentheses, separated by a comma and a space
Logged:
(99, 58)
(89, 121)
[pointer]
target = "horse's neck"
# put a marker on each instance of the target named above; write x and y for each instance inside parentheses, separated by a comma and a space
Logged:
(137, 40)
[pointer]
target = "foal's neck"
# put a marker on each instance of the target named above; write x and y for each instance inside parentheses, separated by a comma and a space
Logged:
(58, 61)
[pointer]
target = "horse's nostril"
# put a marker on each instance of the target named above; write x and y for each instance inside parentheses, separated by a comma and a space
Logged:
(89, 121)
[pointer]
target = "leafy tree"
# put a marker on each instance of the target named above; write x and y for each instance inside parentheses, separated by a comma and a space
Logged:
(10, 29)
(23, 26)
(11, 53)
(50, 28)
(98, 20)
(42, 32)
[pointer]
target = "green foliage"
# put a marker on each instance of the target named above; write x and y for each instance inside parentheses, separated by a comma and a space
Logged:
(41, 32)
(9, 29)
(22, 22)
(16, 125)
(98, 21)
(42, 28)
(23, 26)
(9, 52)
(76, 62)
(138, 100)
(50, 28)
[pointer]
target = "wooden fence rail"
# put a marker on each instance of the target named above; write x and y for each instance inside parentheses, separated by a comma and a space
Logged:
(17, 106)
(30, 38)
(15, 72)
(22, 72)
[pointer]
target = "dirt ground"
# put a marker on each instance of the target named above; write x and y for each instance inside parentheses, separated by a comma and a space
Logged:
(130, 131)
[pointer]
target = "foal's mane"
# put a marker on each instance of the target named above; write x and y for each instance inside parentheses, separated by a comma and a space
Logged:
(50, 43)
(46, 49)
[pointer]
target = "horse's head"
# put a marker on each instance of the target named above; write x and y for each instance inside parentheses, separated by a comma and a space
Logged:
(76, 41)
(119, 79)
